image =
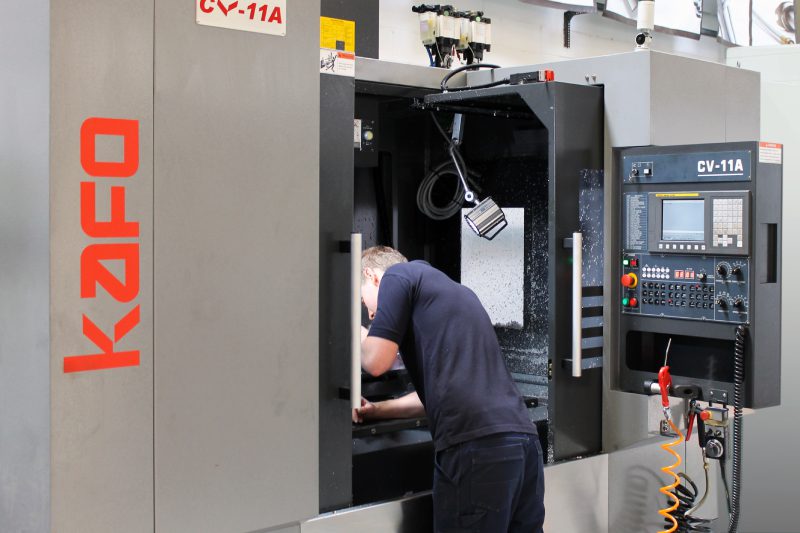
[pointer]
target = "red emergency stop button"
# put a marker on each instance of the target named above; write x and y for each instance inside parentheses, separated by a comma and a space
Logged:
(633, 302)
(705, 415)
(629, 280)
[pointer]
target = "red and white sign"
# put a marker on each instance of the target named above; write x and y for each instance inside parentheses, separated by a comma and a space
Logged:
(337, 62)
(770, 153)
(261, 17)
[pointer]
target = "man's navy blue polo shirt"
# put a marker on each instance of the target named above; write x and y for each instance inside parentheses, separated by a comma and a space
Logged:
(450, 349)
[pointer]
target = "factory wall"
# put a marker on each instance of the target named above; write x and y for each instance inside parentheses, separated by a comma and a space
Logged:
(770, 471)
(525, 34)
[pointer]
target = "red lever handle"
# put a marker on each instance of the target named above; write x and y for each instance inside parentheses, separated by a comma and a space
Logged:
(665, 382)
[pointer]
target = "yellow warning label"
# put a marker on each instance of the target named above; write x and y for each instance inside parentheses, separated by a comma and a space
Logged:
(677, 194)
(337, 34)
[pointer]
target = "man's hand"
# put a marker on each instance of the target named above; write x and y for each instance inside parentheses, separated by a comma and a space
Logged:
(365, 412)
(364, 332)
(408, 406)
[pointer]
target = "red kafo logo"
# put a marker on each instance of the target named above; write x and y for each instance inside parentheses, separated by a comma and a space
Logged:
(124, 248)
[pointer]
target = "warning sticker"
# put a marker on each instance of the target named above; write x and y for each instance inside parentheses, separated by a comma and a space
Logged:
(337, 34)
(334, 62)
(337, 46)
(770, 153)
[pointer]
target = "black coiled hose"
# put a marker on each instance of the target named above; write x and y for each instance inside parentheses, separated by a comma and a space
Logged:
(738, 405)
(686, 498)
(425, 193)
(687, 495)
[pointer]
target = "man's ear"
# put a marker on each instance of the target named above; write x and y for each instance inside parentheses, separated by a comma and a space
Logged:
(372, 276)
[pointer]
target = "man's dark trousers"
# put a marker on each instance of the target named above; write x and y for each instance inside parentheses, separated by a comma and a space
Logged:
(494, 484)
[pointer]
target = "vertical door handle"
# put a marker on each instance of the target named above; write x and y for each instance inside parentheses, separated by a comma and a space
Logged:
(577, 303)
(355, 320)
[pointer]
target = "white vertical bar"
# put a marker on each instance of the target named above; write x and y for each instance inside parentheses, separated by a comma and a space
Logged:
(577, 303)
(355, 320)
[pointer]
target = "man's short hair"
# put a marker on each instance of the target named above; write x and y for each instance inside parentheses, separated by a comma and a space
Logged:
(380, 258)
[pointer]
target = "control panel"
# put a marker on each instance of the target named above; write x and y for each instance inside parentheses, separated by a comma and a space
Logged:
(694, 288)
(699, 257)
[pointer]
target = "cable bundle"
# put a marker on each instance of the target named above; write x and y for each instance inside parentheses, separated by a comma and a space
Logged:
(687, 495)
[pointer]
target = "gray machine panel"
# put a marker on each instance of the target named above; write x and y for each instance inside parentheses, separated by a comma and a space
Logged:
(236, 273)
(659, 98)
(101, 416)
(385, 72)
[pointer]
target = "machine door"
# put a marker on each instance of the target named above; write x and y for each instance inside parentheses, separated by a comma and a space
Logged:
(236, 270)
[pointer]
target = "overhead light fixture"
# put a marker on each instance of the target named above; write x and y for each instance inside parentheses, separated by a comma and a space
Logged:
(486, 219)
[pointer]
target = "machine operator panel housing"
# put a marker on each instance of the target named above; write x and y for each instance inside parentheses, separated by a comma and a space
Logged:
(699, 255)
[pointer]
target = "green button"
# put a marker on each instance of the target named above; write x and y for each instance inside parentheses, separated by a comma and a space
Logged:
(625, 262)
(625, 302)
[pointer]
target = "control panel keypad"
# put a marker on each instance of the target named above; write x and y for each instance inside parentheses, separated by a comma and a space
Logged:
(693, 295)
(728, 222)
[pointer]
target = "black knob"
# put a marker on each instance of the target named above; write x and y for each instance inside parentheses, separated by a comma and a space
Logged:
(722, 269)
(702, 276)
(736, 270)
(715, 449)
(722, 302)
(738, 303)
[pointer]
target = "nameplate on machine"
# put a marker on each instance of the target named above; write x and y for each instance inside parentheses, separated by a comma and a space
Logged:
(258, 17)
(734, 165)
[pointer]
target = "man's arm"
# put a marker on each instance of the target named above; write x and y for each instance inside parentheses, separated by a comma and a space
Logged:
(408, 406)
(377, 354)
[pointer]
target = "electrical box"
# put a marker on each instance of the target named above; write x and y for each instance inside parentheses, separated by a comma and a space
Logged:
(700, 255)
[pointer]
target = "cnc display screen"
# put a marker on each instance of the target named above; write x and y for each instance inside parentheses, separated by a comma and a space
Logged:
(683, 220)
